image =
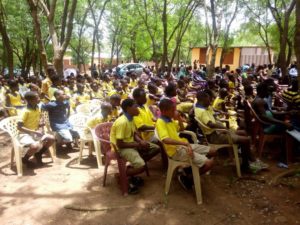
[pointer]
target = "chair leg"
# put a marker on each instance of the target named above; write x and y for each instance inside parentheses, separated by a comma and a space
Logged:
(98, 154)
(197, 183)
(261, 146)
(237, 160)
(19, 162)
(107, 162)
(12, 157)
(170, 172)
(80, 151)
(52, 151)
(90, 144)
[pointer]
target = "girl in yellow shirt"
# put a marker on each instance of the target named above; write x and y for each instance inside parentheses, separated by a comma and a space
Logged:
(14, 98)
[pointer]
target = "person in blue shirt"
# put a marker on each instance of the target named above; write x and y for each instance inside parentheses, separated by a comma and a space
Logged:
(59, 111)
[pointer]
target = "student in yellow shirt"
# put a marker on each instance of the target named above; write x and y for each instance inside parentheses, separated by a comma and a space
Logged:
(177, 148)
(206, 116)
(56, 84)
(96, 92)
(81, 96)
(129, 144)
(102, 117)
(115, 101)
(14, 98)
(133, 80)
(145, 120)
(219, 102)
(34, 141)
(106, 84)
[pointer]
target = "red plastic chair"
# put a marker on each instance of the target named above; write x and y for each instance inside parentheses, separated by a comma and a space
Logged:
(102, 132)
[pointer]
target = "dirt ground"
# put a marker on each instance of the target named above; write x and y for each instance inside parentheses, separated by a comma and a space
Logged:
(42, 196)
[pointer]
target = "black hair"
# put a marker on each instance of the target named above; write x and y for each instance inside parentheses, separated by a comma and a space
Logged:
(127, 103)
(55, 78)
(170, 89)
(138, 92)
(29, 95)
(13, 83)
(202, 94)
(56, 92)
(165, 104)
(248, 90)
(262, 89)
(115, 97)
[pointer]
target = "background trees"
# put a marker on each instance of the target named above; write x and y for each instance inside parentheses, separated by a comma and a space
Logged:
(36, 32)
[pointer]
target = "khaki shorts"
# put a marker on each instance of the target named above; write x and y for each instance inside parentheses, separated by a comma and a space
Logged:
(200, 152)
(135, 157)
(221, 138)
(26, 140)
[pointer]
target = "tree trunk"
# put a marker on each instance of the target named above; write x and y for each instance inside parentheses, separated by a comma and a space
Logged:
(6, 45)
(58, 63)
(297, 40)
(211, 68)
(165, 35)
(38, 35)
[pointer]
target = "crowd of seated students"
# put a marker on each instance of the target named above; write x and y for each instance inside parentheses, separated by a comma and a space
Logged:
(165, 102)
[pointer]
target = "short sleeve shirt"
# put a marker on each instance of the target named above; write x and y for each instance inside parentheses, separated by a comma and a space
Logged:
(168, 128)
(31, 118)
(145, 117)
(58, 114)
(205, 115)
(122, 129)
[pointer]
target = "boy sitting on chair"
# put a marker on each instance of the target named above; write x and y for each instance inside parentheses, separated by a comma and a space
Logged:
(59, 112)
(179, 149)
(34, 141)
(130, 145)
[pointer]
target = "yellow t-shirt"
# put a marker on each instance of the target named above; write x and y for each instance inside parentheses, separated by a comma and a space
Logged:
(15, 100)
(231, 85)
(122, 129)
(94, 121)
(51, 93)
(97, 95)
(168, 128)
(115, 112)
(46, 84)
(218, 103)
(205, 115)
(184, 107)
(145, 117)
(31, 118)
(150, 101)
(81, 98)
(133, 84)
(107, 86)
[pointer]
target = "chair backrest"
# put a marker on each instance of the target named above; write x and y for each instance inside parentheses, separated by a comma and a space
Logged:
(102, 132)
(84, 109)
(78, 121)
(10, 125)
(203, 127)
(46, 120)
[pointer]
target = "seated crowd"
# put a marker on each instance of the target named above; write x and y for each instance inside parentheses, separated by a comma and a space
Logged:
(149, 111)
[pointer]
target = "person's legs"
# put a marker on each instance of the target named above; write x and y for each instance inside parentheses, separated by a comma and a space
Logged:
(134, 158)
(149, 153)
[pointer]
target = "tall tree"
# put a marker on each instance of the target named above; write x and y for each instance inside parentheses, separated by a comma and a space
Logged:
(297, 39)
(95, 7)
(6, 42)
(60, 38)
(281, 12)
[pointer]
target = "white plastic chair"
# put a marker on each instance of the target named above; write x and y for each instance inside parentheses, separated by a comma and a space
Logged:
(10, 125)
(84, 109)
(219, 146)
(173, 165)
(47, 128)
(78, 121)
